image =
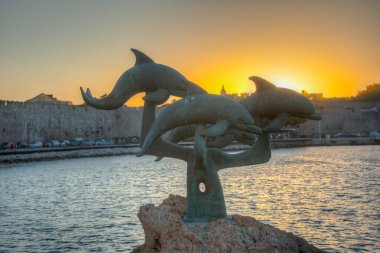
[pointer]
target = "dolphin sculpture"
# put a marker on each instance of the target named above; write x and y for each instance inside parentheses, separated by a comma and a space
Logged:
(270, 101)
(145, 76)
(183, 132)
(220, 141)
(223, 113)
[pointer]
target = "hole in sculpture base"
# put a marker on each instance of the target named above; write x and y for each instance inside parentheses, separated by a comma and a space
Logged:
(202, 187)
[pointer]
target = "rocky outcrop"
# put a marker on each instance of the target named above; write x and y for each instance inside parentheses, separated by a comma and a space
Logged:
(166, 232)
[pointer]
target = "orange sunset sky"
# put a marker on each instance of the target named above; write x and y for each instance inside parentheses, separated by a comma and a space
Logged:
(55, 47)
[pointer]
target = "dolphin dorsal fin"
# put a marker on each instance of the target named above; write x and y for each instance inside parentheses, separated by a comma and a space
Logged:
(261, 84)
(141, 58)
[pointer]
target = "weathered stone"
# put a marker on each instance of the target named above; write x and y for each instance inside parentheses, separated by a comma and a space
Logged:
(26, 122)
(165, 231)
(49, 121)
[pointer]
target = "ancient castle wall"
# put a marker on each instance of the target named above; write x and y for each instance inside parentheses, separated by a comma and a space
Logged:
(343, 117)
(49, 121)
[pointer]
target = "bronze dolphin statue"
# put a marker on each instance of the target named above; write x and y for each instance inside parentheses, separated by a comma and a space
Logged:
(145, 76)
(222, 112)
(269, 101)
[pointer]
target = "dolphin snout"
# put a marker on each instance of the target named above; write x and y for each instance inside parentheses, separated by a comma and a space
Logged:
(193, 89)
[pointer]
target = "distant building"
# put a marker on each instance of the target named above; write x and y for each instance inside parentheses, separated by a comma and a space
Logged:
(46, 98)
(234, 96)
(315, 97)
(244, 95)
(223, 91)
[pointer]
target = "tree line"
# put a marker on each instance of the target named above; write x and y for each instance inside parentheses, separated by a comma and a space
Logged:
(370, 94)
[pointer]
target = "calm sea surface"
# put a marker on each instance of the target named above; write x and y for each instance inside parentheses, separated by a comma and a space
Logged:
(330, 196)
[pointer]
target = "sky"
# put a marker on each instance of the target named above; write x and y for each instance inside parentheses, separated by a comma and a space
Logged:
(54, 47)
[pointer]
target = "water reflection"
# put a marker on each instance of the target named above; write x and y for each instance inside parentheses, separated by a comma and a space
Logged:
(329, 195)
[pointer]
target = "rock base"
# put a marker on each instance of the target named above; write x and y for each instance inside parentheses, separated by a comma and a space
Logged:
(166, 232)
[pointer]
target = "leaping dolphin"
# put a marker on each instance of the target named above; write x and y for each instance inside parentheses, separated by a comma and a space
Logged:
(269, 101)
(145, 76)
(222, 112)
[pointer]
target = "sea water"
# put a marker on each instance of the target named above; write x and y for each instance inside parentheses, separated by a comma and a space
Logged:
(328, 195)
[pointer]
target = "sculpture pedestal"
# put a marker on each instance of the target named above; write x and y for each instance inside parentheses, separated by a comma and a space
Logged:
(206, 205)
(165, 231)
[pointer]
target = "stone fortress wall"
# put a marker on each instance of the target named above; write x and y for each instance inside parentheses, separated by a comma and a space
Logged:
(343, 117)
(28, 122)
(22, 121)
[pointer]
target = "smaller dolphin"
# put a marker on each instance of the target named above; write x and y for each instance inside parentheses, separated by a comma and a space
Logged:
(145, 76)
(223, 113)
(270, 101)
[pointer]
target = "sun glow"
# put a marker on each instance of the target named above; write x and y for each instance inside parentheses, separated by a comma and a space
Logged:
(331, 79)
(237, 81)
(318, 46)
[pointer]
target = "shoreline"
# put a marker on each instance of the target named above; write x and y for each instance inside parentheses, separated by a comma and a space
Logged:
(51, 154)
